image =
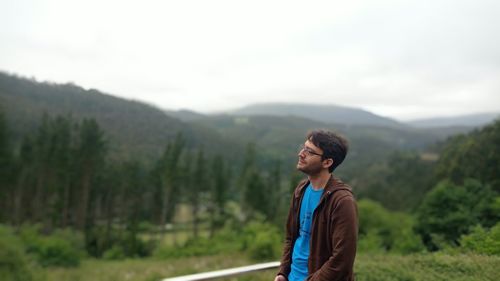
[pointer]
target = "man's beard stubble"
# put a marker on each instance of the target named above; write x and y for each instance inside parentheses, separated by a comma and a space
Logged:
(310, 169)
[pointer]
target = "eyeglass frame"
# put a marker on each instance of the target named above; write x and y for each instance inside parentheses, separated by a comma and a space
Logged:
(308, 151)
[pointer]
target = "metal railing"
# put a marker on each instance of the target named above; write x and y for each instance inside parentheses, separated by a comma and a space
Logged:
(225, 272)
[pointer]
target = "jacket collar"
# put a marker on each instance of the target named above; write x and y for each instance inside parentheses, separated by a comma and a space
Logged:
(333, 184)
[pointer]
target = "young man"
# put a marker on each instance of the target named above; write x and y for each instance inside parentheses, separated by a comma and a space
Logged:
(322, 226)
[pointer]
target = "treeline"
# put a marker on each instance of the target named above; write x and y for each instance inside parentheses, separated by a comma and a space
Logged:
(447, 198)
(61, 177)
(466, 198)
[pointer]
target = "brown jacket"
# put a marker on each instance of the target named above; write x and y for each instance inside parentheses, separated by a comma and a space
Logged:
(334, 232)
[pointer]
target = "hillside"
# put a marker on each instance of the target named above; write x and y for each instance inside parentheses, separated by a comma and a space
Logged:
(139, 131)
(323, 113)
(134, 130)
(278, 137)
(472, 120)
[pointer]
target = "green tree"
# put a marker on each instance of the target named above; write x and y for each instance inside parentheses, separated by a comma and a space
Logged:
(275, 194)
(398, 182)
(449, 211)
(170, 178)
(476, 155)
(132, 186)
(44, 173)
(6, 164)
(90, 152)
(383, 230)
(255, 195)
(60, 162)
(219, 192)
(42, 170)
(22, 193)
(483, 241)
(198, 185)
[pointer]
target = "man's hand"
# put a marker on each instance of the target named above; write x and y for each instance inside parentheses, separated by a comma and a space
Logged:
(280, 278)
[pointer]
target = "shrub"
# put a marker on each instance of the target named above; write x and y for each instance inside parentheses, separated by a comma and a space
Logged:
(225, 241)
(62, 248)
(449, 211)
(54, 251)
(482, 241)
(263, 246)
(262, 241)
(13, 261)
(115, 253)
(99, 240)
(370, 242)
(390, 231)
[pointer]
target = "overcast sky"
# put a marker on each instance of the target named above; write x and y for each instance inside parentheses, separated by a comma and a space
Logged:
(402, 59)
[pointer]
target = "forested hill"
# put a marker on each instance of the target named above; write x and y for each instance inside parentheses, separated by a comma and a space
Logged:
(323, 113)
(472, 120)
(278, 138)
(139, 131)
(135, 130)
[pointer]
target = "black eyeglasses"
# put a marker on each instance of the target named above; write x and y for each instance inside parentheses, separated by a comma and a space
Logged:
(308, 151)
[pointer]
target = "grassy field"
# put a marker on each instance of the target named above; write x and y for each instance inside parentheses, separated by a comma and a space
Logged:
(425, 267)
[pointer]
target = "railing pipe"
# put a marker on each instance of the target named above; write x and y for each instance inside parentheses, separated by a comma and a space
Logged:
(225, 272)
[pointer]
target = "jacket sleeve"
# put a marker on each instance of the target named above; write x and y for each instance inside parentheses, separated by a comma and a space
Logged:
(345, 233)
(286, 257)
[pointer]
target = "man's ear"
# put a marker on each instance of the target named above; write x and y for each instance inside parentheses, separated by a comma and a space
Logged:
(327, 163)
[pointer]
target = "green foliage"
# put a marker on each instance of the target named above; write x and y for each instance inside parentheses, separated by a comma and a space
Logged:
(381, 230)
(476, 155)
(56, 252)
(449, 211)
(428, 267)
(13, 261)
(116, 243)
(259, 240)
(169, 172)
(482, 241)
(62, 248)
(115, 253)
(262, 240)
(219, 192)
(368, 267)
(259, 196)
(371, 242)
(137, 130)
(225, 241)
(399, 182)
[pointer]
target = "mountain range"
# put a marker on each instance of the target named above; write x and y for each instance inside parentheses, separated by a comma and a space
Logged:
(141, 131)
(472, 120)
(323, 113)
(342, 115)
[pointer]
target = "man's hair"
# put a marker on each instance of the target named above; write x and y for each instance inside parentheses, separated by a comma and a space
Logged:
(334, 146)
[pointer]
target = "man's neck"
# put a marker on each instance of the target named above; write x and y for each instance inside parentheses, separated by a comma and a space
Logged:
(319, 180)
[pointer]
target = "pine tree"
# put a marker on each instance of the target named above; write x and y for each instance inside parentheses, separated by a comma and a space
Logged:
(255, 198)
(220, 187)
(25, 181)
(274, 192)
(91, 152)
(170, 175)
(198, 185)
(41, 169)
(6, 170)
(60, 166)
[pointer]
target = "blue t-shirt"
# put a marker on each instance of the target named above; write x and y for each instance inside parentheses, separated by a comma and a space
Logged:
(300, 252)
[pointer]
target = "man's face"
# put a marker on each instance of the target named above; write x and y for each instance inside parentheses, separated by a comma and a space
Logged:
(310, 161)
